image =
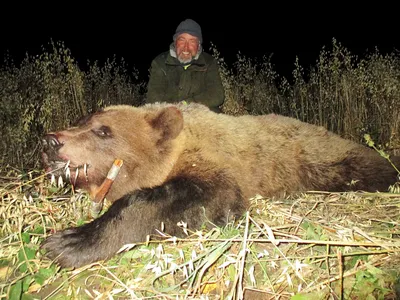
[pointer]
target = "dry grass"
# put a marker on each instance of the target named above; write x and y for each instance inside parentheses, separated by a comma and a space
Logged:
(317, 245)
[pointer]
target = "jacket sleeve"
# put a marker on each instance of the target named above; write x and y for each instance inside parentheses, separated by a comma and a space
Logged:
(213, 96)
(157, 84)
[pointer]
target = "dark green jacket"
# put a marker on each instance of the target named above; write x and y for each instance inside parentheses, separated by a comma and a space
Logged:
(170, 82)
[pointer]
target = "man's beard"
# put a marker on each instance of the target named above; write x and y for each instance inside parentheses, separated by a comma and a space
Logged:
(185, 60)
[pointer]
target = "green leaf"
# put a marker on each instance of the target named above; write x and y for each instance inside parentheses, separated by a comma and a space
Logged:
(16, 291)
(43, 274)
(26, 283)
(26, 237)
(25, 254)
(38, 230)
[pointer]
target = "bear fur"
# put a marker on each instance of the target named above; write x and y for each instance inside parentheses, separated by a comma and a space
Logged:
(186, 163)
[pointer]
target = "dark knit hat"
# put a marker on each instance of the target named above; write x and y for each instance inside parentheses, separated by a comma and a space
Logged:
(191, 27)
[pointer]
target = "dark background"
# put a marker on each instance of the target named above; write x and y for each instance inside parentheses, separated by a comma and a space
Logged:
(138, 31)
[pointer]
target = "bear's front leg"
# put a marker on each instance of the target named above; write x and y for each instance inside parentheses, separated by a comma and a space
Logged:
(98, 240)
(132, 218)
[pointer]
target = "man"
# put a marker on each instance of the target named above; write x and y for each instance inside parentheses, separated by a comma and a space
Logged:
(186, 72)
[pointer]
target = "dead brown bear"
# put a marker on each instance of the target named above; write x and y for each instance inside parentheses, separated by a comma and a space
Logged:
(179, 159)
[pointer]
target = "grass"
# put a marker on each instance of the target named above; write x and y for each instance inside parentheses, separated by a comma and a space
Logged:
(317, 245)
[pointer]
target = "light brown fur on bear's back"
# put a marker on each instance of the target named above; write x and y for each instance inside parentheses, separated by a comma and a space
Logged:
(271, 154)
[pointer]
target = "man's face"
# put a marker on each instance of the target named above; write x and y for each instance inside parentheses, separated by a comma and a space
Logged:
(186, 46)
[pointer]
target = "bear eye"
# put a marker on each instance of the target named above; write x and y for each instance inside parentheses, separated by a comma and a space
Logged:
(103, 131)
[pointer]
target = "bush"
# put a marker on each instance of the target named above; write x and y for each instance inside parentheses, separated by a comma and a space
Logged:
(48, 92)
(346, 94)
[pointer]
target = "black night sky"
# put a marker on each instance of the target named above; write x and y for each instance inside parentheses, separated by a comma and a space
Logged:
(138, 32)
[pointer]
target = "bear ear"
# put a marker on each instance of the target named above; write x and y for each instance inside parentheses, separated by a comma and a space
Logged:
(169, 121)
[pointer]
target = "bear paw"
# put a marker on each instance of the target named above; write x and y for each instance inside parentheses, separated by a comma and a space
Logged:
(69, 248)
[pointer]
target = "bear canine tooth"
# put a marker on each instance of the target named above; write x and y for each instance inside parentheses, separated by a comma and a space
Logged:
(67, 164)
(60, 182)
(53, 179)
(67, 173)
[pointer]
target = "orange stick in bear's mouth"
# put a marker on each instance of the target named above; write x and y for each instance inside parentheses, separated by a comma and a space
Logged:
(105, 186)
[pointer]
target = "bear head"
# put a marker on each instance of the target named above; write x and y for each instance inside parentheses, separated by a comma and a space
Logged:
(146, 140)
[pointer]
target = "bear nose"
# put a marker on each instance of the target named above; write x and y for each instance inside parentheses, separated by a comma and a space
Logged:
(50, 142)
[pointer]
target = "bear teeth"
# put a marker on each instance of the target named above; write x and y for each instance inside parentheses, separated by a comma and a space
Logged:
(60, 182)
(68, 173)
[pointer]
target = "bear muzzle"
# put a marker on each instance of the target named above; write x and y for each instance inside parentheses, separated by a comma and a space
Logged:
(53, 163)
